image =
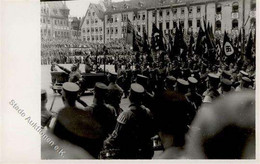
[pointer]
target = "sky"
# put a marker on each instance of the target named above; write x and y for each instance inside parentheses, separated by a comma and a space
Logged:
(78, 8)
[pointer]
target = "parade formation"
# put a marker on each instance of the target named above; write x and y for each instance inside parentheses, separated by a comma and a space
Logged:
(190, 96)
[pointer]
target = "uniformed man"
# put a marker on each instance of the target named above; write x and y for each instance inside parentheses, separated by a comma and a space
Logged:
(70, 94)
(45, 114)
(212, 92)
(182, 86)
(244, 84)
(104, 114)
(172, 114)
(74, 74)
(115, 93)
(88, 64)
(170, 83)
(78, 127)
(134, 129)
(226, 86)
(193, 97)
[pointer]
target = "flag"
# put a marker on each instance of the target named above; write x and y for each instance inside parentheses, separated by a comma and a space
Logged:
(199, 45)
(228, 48)
(218, 47)
(146, 46)
(192, 44)
(157, 39)
(129, 26)
(249, 46)
(135, 44)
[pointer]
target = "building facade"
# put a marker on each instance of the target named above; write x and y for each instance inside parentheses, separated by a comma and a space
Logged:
(229, 15)
(54, 20)
(75, 31)
(92, 25)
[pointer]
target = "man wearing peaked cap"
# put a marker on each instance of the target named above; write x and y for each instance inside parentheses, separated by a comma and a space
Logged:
(79, 128)
(193, 97)
(182, 86)
(74, 74)
(70, 94)
(212, 92)
(115, 93)
(170, 82)
(142, 80)
(226, 86)
(226, 75)
(134, 129)
(244, 84)
(103, 113)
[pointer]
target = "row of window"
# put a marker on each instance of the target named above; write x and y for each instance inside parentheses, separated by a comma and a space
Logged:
(45, 10)
(114, 30)
(93, 38)
(92, 21)
(124, 18)
(56, 21)
(92, 30)
(56, 33)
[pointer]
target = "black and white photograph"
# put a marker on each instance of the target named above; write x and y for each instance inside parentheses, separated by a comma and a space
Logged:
(148, 79)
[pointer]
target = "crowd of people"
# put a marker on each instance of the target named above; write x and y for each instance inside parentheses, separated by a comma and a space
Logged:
(185, 103)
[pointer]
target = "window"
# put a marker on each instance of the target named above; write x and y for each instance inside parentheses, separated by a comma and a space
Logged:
(143, 28)
(115, 18)
(92, 38)
(253, 5)
(88, 13)
(93, 13)
(198, 23)
(190, 23)
(49, 22)
(92, 29)
(107, 30)
(235, 24)
(182, 23)
(218, 25)
(100, 37)
(167, 25)
(218, 8)
(84, 38)
(96, 20)
(160, 13)
(174, 11)
(160, 26)
(235, 7)
(174, 24)
(143, 17)
(116, 30)
(43, 20)
(182, 11)
(138, 16)
(88, 38)
(100, 29)
(154, 12)
(190, 10)
(96, 29)
(97, 37)
(83, 30)
(87, 30)
(92, 21)
(198, 9)
(111, 20)
(112, 30)
(167, 12)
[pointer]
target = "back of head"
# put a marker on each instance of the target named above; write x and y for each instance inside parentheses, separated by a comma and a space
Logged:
(225, 129)
(173, 114)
